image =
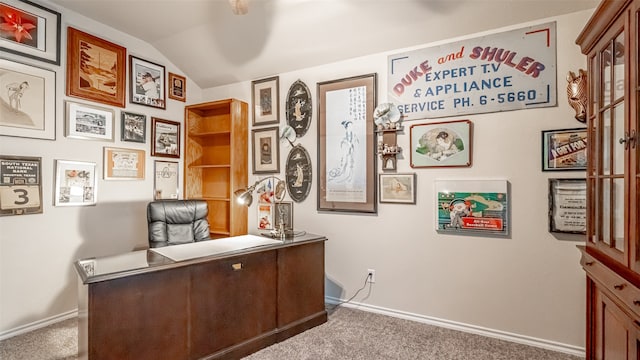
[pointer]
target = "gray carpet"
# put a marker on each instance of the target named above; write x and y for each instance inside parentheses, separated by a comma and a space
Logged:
(349, 334)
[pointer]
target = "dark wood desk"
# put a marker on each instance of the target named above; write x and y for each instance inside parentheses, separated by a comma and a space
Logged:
(223, 306)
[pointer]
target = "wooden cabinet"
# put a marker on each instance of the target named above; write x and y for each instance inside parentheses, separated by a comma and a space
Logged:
(611, 256)
(215, 163)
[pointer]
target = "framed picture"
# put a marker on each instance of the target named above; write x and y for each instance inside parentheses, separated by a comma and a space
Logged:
(298, 173)
(568, 206)
(265, 216)
(441, 144)
(30, 30)
(346, 145)
(398, 188)
(564, 150)
(123, 164)
(266, 150)
(166, 180)
(299, 108)
(166, 138)
(283, 213)
(28, 94)
(20, 185)
(472, 206)
(76, 183)
(96, 68)
(177, 87)
(265, 101)
(133, 127)
(89, 122)
(146, 83)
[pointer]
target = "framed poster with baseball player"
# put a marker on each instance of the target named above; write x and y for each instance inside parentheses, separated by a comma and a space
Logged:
(20, 185)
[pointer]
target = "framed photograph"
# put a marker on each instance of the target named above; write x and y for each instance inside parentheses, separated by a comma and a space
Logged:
(298, 173)
(472, 206)
(265, 216)
(265, 147)
(166, 138)
(564, 150)
(265, 101)
(441, 144)
(283, 213)
(299, 108)
(30, 30)
(568, 206)
(123, 164)
(28, 96)
(146, 83)
(133, 127)
(96, 68)
(89, 122)
(20, 185)
(166, 180)
(76, 183)
(177, 87)
(346, 145)
(398, 188)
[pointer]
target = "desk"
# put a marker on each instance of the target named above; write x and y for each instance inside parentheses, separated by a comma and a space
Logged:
(143, 305)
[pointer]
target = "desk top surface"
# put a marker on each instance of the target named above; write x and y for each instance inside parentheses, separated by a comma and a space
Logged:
(105, 268)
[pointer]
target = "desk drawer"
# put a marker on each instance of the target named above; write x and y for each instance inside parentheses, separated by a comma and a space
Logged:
(622, 290)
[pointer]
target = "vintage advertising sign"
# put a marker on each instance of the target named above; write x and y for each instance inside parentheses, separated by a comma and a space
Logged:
(20, 185)
(511, 70)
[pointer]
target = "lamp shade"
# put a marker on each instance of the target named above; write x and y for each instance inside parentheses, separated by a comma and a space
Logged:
(243, 196)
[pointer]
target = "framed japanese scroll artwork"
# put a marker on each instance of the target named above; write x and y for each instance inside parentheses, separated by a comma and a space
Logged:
(346, 154)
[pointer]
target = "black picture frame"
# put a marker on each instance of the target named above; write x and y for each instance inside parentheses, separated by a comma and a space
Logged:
(133, 127)
(568, 205)
(564, 149)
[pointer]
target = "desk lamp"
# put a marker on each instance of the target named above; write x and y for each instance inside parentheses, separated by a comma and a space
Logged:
(245, 197)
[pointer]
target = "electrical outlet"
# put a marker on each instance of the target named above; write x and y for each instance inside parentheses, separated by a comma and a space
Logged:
(371, 276)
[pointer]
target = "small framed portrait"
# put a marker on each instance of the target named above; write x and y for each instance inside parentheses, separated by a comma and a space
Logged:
(398, 188)
(564, 150)
(177, 87)
(133, 127)
(441, 144)
(147, 83)
(89, 122)
(76, 183)
(166, 138)
(266, 150)
(123, 164)
(266, 99)
(283, 214)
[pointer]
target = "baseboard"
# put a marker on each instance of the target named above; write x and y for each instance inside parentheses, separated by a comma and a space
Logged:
(38, 324)
(473, 329)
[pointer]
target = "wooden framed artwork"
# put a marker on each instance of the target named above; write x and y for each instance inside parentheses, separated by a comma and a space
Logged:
(20, 185)
(28, 94)
(298, 173)
(123, 164)
(564, 150)
(96, 68)
(265, 148)
(266, 100)
(568, 206)
(89, 122)
(133, 127)
(441, 144)
(398, 188)
(30, 30)
(166, 138)
(146, 83)
(177, 87)
(346, 145)
(299, 108)
(75, 184)
(165, 184)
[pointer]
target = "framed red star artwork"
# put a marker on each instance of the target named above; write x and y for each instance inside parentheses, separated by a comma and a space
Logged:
(30, 30)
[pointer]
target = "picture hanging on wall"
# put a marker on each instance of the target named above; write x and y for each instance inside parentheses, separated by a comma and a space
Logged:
(20, 185)
(27, 101)
(564, 150)
(472, 206)
(441, 144)
(165, 135)
(166, 180)
(177, 87)
(568, 206)
(299, 108)
(133, 127)
(76, 183)
(266, 100)
(96, 68)
(30, 30)
(265, 147)
(298, 173)
(398, 188)
(123, 164)
(89, 122)
(146, 83)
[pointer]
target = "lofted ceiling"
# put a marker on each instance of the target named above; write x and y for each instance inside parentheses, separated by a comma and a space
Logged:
(214, 47)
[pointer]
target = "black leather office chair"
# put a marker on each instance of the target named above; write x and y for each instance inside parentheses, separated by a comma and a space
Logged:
(177, 222)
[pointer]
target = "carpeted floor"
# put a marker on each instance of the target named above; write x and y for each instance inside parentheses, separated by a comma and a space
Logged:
(348, 335)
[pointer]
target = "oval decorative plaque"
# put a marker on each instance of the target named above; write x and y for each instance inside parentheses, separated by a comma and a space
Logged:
(298, 173)
(298, 108)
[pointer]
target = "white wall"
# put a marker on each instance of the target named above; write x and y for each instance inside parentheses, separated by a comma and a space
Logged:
(529, 286)
(37, 279)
